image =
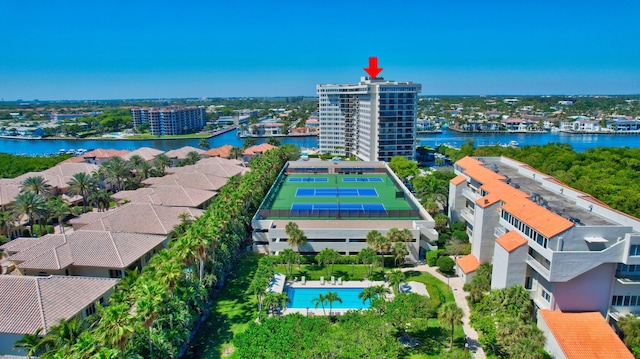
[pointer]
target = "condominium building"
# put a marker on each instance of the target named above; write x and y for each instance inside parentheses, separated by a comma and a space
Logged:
(169, 120)
(373, 120)
(571, 251)
(336, 204)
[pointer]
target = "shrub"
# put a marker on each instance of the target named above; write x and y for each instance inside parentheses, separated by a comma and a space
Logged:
(458, 226)
(432, 256)
(462, 236)
(445, 264)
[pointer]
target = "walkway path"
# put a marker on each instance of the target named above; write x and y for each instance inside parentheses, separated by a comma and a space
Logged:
(459, 294)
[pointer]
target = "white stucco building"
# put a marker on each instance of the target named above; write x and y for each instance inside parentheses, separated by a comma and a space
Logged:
(571, 251)
(373, 120)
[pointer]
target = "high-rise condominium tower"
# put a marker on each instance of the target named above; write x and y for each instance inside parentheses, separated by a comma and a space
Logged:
(373, 120)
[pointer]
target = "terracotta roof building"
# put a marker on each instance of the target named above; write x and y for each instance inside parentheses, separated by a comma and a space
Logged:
(83, 253)
(28, 303)
(222, 151)
(571, 251)
(189, 180)
(99, 156)
(136, 218)
(580, 335)
(257, 150)
(147, 153)
(181, 153)
(171, 195)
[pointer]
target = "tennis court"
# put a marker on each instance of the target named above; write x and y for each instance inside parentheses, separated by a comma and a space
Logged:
(363, 179)
(335, 209)
(336, 192)
(308, 179)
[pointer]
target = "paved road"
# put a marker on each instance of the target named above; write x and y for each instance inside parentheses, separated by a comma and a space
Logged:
(459, 294)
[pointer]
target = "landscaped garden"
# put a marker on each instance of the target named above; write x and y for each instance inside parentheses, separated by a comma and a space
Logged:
(238, 328)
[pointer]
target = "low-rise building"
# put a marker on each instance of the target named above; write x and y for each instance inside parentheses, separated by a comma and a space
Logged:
(568, 249)
(257, 150)
(336, 204)
(29, 303)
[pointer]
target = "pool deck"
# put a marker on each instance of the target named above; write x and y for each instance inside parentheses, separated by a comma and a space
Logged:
(327, 284)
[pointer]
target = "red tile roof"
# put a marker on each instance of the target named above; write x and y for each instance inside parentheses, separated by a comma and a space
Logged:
(102, 153)
(181, 153)
(171, 195)
(537, 217)
(147, 153)
(457, 180)
(28, 303)
(222, 151)
(259, 149)
(511, 241)
(584, 335)
(468, 263)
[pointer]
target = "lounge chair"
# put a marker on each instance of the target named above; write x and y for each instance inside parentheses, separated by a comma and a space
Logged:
(321, 280)
(340, 281)
(304, 280)
(333, 280)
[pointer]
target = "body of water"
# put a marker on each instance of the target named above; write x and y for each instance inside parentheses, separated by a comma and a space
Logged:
(578, 142)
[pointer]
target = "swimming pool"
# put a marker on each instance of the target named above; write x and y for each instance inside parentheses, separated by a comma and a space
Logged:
(302, 297)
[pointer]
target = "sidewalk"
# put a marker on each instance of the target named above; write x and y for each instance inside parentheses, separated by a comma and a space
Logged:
(459, 295)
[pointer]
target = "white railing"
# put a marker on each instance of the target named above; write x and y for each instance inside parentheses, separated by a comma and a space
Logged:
(499, 231)
(470, 194)
(538, 267)
(468, 214)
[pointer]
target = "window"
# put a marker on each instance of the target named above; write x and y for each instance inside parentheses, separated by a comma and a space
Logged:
(115, 273)
(91, 309)
(634, 250)
(546, 295)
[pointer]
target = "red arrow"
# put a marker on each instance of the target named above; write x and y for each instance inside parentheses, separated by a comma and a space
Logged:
(373, 70)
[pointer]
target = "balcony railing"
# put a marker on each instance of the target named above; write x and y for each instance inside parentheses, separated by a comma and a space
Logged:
(470, 194)
(538, 267)
(499, 231)
(468, 214)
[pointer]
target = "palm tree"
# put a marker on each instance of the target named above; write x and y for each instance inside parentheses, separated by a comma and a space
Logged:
(378, 243)
(204, 144)
(117, 171)
(6, 222)
(59, 209)
(143, 170)
(450, 315)
(161, 162)
(149, 303)
(64, 334)
(31, 205)
(320, 300)
(367, 256)
(276, 301)
(400, 251)
(332, 297)
(31, 343)
(100, 199)
(297, 238)
(192, 157)
(235, 153)
(367, 294)
(81, 184)
(396, 277)
(135, 161)
(116, 325)
(37, 185)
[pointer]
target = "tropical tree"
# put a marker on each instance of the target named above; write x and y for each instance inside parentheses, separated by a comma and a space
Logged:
(320, 300)
(31, 205)
(7, 219)
(116, 171)
(273, 141)
(332, 297)
(296, 238)
(289, 257)
(37, 185)
(59, 209)
(135, 161)
(82, 184)
(115, 326)
(143, 170)
(235, 153)
(161, 162)
(148, 305)
(276, 302)
(400, 251)
(31, 343)
(204, 144)
(450, 315)
(101, 199)
(328, 257)
(192, 157)
(63, 335)
(378, 243)
(630, 326)
(396, 277)
(251, 141)
(376, 291)
(367, 256)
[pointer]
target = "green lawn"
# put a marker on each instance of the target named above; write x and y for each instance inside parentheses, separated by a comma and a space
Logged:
(231, 312)
(234, 308)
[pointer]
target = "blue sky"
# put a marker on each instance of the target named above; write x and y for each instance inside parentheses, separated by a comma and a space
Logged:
(149, 49)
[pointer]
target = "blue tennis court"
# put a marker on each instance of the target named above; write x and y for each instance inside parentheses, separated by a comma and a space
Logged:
(336, 192)
(332, 209)
(362, 179)
(308, 179)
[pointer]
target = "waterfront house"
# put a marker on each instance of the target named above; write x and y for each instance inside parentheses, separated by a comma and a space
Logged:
(258, 150)
(99, 156)
(148, 154)
(188, 179)
(216, 166)
(222, 151)
(29, 303)
(171, 195)
(181, 153)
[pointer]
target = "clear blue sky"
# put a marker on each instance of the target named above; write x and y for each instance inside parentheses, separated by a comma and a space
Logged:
(149, 49)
